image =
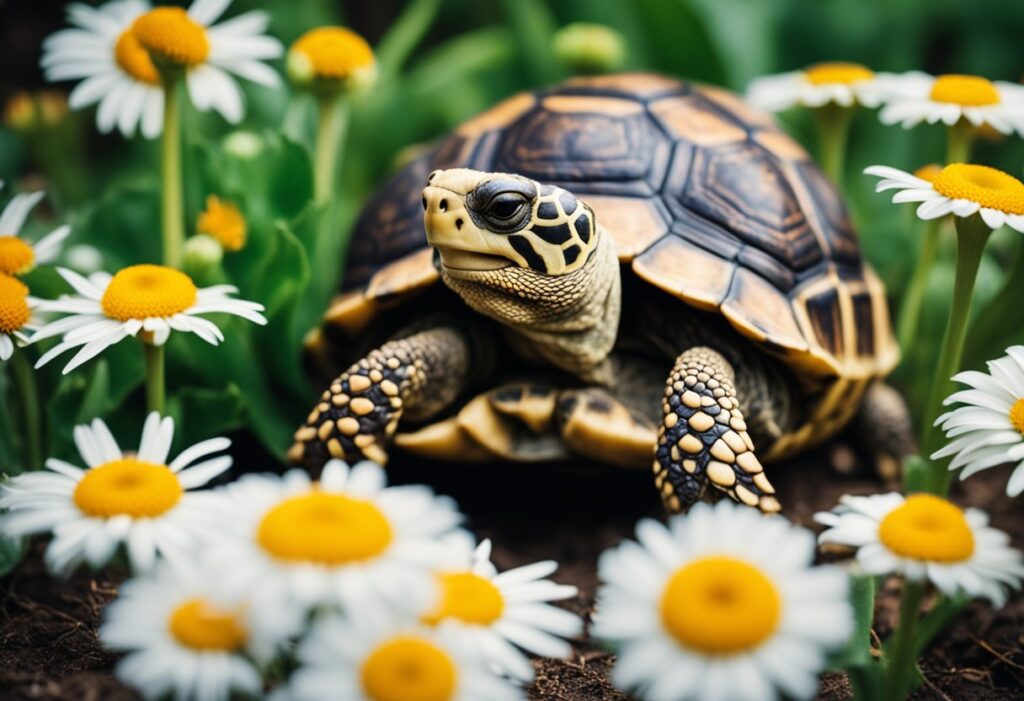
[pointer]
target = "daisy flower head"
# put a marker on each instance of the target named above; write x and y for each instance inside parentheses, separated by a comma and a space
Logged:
(137, 499)
(371, 655)
(223, 222)
(18, 256)
(331, 59)
(988, 428)
(343, 541)
(16, 315)
(720, 604)
(961, 189)
(503, 611)
(834, 83)
(188, 42)
(918, 97)
(924, 537)
(151, 300)
(183, 636)
(102, 52)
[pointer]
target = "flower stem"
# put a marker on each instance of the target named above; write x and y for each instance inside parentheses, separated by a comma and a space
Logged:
(332, 119)
(959, 138)
(154, 356)
(833, 132)
(172, 214)
(972, 235)
(910, 311)
(901, 657)
(25, 381)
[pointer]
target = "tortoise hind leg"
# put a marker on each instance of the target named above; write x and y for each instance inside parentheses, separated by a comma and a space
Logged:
(884, 423)
(413, 377)
(704, 437)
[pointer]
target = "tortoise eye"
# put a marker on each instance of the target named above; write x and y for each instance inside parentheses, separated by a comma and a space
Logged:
(505, 206)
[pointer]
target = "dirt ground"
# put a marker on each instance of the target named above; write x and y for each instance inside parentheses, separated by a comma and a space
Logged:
(48, 646)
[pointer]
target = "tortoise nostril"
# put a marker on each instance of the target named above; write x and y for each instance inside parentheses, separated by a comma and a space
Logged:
(458, 224)
(424, 203)
(443, 204)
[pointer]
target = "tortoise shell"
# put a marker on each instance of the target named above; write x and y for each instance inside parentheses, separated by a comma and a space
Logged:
(705, 199)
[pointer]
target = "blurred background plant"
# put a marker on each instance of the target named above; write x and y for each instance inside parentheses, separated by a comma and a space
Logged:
(439, 62)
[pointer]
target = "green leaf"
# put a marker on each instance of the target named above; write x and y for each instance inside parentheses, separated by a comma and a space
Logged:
(938, 619)
(404, 35)
(124, 224)
(203, 413)
(535, 28)
(285, 274)
(857, 652)
(917, 474)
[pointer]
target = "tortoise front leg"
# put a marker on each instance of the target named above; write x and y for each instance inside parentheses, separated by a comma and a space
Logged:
(413, 377)
(703, 438)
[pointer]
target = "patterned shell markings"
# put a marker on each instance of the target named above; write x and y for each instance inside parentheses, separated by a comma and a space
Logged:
(708, 199)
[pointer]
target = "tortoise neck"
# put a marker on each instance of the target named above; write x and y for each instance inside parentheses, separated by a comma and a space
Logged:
(570, 321)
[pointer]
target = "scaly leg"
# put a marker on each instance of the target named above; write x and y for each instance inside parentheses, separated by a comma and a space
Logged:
(413, 377)
(703, 438)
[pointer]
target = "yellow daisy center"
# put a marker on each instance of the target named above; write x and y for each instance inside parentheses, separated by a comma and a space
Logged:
(128, 486)
(144, 291)
(988, 187)
(467, 597)
(169, 34)
(964, 90)
(332, 529)
(720, 606)
(14, 311)
(200, 625)
(1017, 415)
(838, 72)
(926, 527)
(16, 256)
(928, 172)
(408, 669)
(333, 53)
(224, 222)
(134, 60)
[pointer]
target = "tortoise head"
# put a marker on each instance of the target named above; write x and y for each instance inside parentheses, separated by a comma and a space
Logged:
(489, 221)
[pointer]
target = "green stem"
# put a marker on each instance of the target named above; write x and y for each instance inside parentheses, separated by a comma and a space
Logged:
(173, 207)
(25, 381)
(959, 138)
(1003, 316)
(910, 312)
(972, 234)
(833, 133)
(901, 655)
(332, 119)
(154, 356)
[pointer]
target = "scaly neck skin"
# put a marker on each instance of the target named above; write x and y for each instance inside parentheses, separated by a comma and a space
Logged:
(570, 321)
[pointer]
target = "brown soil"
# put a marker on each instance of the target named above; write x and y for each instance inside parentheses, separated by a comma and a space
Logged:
(48, 647)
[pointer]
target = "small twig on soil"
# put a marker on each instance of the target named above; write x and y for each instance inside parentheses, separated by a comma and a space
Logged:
(998, 655)
(931, 685)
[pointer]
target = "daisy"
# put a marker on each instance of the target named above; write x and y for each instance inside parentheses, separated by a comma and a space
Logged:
(924, 537)
(961, 189)
(183, 637)
(501, 611)
(721, 604)
(224, 222)
(952, 98)
(331, 58)
(133, 498)
(839, 83)
(208, 55)
(988, 430)
(17, 256)
(147, 299)
(116, 72)
(343, 541)
(369, 656)
(16, 315)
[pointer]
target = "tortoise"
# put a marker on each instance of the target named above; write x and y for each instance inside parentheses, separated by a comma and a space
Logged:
(521, 291)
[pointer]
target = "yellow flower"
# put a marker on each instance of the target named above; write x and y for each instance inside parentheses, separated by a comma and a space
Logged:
(224, 222)
(331, 57)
